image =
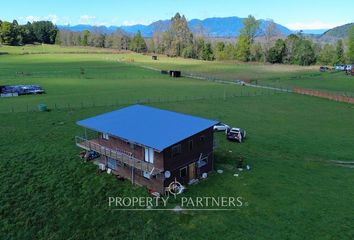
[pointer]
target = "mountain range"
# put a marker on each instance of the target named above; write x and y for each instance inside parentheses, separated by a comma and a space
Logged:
(212, 27)
(218, 27)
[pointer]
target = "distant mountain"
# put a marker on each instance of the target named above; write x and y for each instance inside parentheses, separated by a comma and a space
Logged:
(212, 27)
(314, 31)
(338, 32)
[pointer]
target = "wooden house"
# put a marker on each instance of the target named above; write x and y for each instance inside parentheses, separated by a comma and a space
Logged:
(151, 147)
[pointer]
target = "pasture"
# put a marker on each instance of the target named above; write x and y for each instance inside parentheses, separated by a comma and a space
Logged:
(294, 190)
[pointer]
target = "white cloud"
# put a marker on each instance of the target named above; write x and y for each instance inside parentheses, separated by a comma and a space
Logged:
(51, 17)
(86, 19)
(312, 25)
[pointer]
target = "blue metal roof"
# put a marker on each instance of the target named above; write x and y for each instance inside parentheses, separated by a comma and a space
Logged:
(148, 126)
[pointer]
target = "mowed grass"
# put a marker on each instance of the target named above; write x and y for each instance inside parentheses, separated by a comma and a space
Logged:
(282, 76)
(293, 191)
(86, 80)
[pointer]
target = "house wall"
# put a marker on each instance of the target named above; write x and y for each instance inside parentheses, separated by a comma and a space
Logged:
(137, 151)
(155, 184)
(202, 143)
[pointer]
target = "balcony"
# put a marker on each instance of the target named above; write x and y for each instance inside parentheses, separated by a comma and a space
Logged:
(122, 156)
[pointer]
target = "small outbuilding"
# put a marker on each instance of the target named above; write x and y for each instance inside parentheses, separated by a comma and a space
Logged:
(174, 73)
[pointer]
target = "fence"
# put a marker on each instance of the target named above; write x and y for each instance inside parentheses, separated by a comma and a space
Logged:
(321, 94)
(88, 104)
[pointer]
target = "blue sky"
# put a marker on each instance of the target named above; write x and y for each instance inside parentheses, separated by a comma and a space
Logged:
(299, 14)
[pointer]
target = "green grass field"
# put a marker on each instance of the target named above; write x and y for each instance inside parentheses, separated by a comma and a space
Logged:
(293, 190)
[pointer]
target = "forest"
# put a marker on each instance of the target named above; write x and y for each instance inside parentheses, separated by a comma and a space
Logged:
(179, 41)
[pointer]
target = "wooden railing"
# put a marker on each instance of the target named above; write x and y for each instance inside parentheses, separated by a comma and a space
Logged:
(91, 145)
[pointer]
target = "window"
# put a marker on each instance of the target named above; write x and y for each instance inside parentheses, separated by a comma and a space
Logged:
(202, 138)
(183, 172)
(176, 150)
(146, 175)
(112, 164)
(149, 155)
(190, 145)
(105, 136)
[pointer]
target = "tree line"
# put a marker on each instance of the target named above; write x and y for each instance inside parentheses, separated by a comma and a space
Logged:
(179, 41)
(37, 32)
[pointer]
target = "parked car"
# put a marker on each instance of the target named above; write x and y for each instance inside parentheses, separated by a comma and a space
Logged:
(340, 67)
(236, 134)
(221, 127)
(22, 89)
(324, 69)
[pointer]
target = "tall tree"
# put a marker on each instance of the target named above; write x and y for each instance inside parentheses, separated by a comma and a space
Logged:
(277, 52)
(250, 29)
(339, 52)
(270, 33)
(246, 39)
(351, 45)
(138, 43)
(85, 38)
(180, 35)
(242, 50)
(44, 31)
(327, 55)
(7, 33)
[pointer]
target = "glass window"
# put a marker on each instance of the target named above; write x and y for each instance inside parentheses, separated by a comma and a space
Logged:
(112, 164)
(183, 172)
(105, 136)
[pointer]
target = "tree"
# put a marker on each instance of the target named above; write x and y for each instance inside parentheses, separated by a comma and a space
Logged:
(7, 34)
(339, 51)
(351, 45)
(44, 31)
(180, 35)
(270, 32)
(250, 28)
(207, 53)
(246, 39)
(256, 52)
(292, 41)
(219, 51)
(138, 44)
(242, 50)
(276, 53)
(304, 54)
(85, 38)
(327, 55)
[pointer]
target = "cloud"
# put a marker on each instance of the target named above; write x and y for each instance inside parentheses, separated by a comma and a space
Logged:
(312, 25)
(86, 19)
(51, 17)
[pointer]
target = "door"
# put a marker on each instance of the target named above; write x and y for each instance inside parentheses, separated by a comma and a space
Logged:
(192, 171)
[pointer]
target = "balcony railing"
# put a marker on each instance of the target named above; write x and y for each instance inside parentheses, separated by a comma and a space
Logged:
(93, 145)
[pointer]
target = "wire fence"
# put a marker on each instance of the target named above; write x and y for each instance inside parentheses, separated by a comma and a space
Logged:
(119, 102)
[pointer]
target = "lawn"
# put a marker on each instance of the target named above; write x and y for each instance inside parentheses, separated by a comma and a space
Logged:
(86, 80)
(293, 191)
